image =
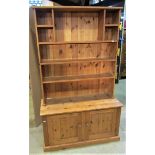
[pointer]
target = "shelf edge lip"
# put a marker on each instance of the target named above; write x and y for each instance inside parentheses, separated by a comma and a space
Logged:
(44, 26)
(78, 79)
(73, 61)
(116, 104)
(77, 42)
(76, 7)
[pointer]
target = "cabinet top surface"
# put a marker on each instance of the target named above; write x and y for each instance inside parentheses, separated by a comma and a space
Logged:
(75, 8)
(70, 107)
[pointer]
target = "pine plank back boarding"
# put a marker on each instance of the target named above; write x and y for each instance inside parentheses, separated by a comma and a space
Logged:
(77, 48)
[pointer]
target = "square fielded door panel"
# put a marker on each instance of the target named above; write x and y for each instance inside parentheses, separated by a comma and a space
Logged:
(65, 128)
(100, 124)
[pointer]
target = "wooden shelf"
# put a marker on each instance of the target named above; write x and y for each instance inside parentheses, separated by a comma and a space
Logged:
(77, 42)
(45, 26)
(77, 106)
(111, 25)
(59, 79)
(88, 97)
(76, 8)
(62, 61)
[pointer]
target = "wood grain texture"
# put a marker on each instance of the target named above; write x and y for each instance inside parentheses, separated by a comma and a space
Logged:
(76, 8)
(78, 51)
(100, 124)
(81, 144)
(101, 25)
(76, 26)
(73, 78)
(118, 115)
(78, 69)
(112, 17)
(70, 129)
(45, 128)
(39, 55)
(34, 70)
(44, 17)
(68, 44)
(63, 61)
(64, 128)
(70, 107)
(77, 42)
(79, 89)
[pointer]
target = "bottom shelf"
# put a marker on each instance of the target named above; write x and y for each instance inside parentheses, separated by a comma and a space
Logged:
(78, 98)
(78, 90)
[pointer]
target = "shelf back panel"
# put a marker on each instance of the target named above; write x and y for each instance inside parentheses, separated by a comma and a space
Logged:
(78, 89)
(78, 51)
(75, 26)
(112, 17)
(45, 35)
(111, 33)
(77, 69)
(44, 17)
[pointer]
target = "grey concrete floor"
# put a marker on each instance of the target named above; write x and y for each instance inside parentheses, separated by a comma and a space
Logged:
(36, 134)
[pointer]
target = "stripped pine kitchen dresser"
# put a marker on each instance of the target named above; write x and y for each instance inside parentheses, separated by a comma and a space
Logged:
(77, 48)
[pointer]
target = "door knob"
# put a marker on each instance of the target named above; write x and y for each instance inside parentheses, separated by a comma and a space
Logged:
(87, 124)
(79, 125)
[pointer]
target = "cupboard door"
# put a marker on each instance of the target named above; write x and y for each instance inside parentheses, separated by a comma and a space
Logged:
(65, 128)
(100, 124)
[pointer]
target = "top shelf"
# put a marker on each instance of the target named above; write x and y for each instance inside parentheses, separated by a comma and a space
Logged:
(77, 8)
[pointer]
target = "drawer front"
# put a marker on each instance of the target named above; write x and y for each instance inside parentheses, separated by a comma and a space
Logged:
(65, 128)
(100, 124)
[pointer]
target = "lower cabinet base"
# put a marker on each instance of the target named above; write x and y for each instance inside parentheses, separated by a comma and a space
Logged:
(81, 123)
(78, 144)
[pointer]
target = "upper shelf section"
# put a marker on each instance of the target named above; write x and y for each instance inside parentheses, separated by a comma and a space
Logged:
(83, 26)
(78, 26)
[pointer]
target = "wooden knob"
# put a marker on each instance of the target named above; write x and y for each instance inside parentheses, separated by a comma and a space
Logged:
(44, 121)
(87, 124)
(79, 125)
